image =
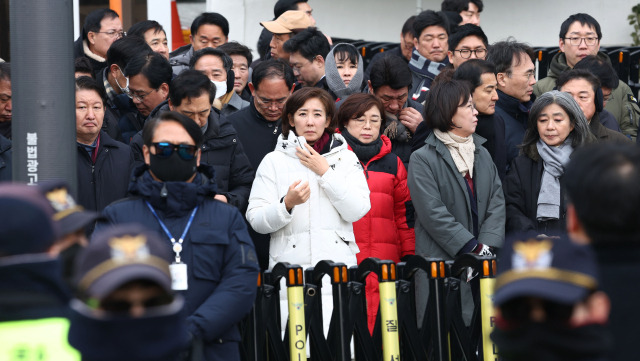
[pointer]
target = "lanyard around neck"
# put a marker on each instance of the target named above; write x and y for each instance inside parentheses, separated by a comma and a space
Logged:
(177, 245)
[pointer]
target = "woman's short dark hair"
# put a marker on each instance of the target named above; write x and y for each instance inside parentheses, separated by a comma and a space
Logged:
(442, 103)
(346, 51)
(88, 83)
(187, 123)
(581, 134)
(355, 106)
(297, 100)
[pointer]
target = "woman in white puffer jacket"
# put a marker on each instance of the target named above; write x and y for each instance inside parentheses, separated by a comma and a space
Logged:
(309, 191)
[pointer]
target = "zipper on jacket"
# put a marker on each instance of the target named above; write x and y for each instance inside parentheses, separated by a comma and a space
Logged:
(364, 166)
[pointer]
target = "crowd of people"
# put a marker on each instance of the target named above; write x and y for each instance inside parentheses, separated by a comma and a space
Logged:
(202, 166)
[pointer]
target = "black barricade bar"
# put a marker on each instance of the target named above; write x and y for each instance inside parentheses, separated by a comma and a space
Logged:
(442, 334)
(388, 312)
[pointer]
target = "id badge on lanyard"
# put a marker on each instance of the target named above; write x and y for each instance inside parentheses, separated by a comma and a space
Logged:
(178, 269)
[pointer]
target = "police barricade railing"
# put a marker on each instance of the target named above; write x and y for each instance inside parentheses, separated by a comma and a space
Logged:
(427, 339)
(634, 70)
(295, 333)
(336, 345)
(620, 62)
(387, 324)
(366, 346)
(253, 339)
(473, 342)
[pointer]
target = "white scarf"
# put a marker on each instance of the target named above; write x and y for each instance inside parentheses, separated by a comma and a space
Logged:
(462, 150)
(91, 54)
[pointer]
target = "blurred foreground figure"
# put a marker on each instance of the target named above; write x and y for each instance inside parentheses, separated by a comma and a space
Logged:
(548, 303)
(126, 309)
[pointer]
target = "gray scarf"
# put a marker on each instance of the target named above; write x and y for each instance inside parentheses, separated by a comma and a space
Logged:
(554, 159)
(334, 81)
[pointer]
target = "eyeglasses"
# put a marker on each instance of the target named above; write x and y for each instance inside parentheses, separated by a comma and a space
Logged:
(528, 74)
(114, 33)
(589, 41)
(132, 95)
(185, 151)
(360, 122)
(265, 103)
(124, 306)
(466, 53)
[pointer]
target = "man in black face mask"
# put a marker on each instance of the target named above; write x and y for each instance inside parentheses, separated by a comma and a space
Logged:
(214, 264)
(548, 306)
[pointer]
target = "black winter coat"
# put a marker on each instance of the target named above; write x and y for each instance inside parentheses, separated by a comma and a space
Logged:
(521, 188)
(259, 137)
(222, 150)
(222, 268)
(491, 127)
(5, 159)
(515, 116)
(78, 51)
(107, 180)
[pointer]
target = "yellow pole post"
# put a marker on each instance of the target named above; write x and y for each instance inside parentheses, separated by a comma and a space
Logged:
(297, 332)
(389, 313)
(487, 283)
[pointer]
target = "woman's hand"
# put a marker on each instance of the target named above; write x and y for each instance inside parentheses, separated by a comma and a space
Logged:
(297, 195)
(312, 160)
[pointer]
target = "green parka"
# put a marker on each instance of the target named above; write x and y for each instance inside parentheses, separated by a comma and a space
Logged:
(622, 104)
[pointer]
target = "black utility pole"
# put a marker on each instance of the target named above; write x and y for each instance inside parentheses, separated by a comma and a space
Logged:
(42, 83)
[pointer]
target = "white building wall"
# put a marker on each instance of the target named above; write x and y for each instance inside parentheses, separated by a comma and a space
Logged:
(535, 22)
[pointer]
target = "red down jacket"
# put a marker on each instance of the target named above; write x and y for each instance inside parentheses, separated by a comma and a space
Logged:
(386, 232)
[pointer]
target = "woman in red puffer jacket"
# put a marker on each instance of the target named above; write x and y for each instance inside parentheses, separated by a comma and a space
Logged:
(386, 232)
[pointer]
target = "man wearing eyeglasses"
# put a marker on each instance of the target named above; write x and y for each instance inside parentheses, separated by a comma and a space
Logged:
(101, 28)
(214, 264)
(191, 94)
(468, 42)
(515, 73)
(259, 125)
(580, 36)
(147, 79)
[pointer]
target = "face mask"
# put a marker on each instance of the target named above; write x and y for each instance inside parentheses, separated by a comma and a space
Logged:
(172, 168)
(221, 88)
(125, 90)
